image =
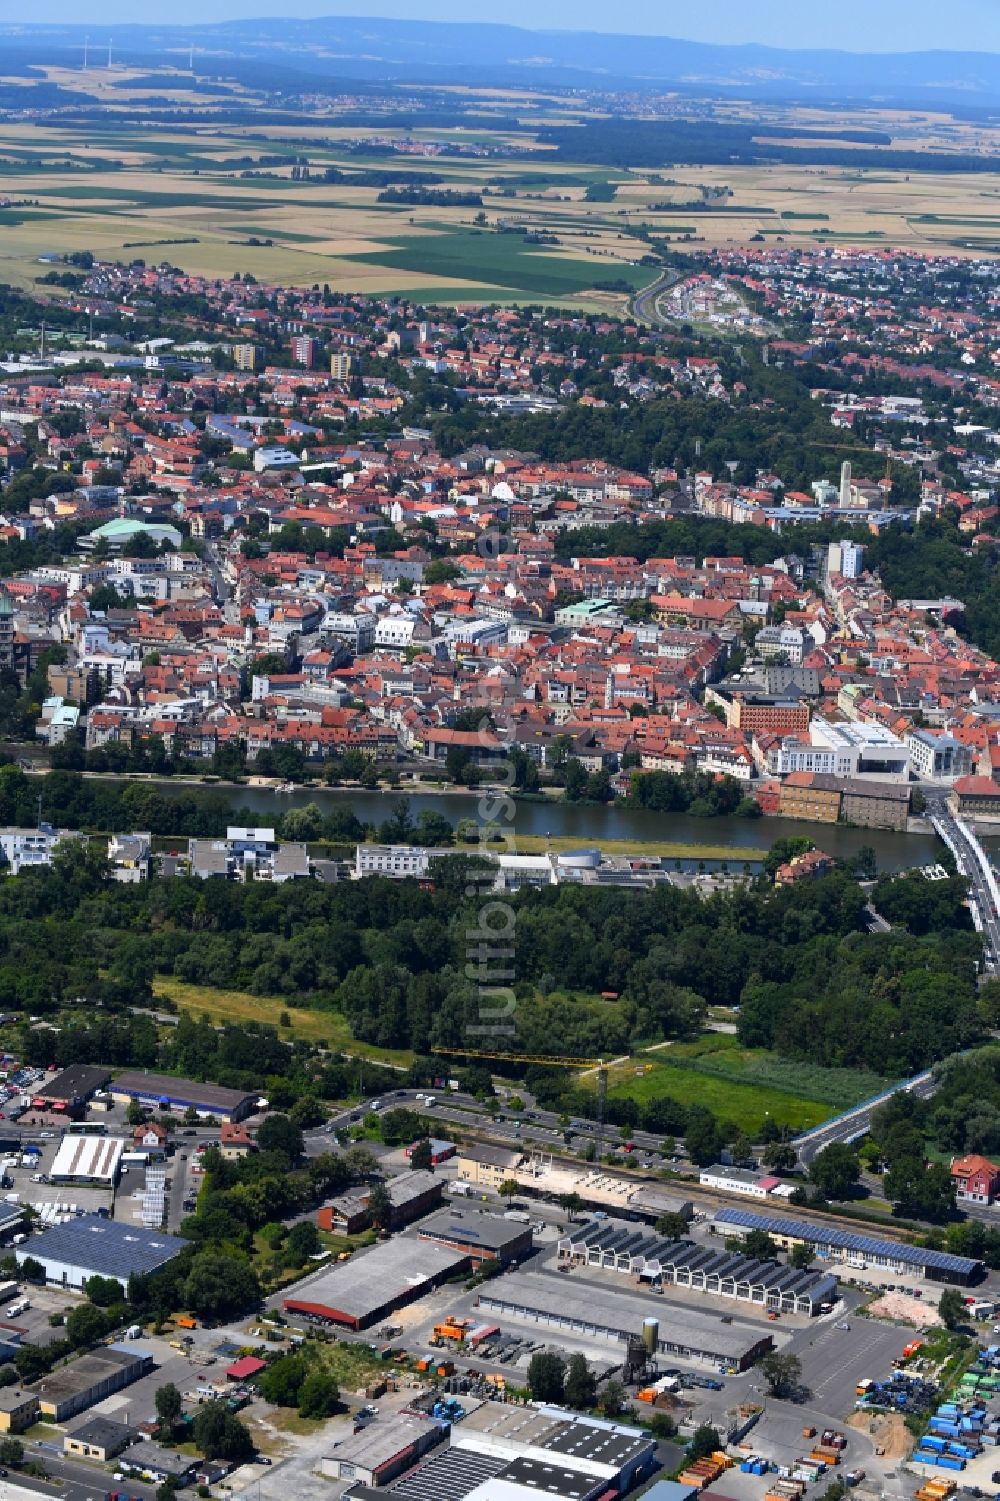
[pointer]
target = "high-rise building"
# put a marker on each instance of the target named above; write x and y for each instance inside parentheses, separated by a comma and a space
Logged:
(6, 630)
(304, 350)
(845, 483)
(245, 356)
(340, 366)
(851, 559)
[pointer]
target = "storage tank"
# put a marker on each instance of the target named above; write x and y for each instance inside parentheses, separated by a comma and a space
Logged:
(651, 1335)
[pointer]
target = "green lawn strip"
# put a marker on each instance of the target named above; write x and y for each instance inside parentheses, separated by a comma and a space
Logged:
(328, 1028)
(745, 1105)
(720, 1055)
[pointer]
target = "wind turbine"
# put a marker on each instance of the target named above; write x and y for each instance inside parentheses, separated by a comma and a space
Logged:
(109, 54)
(86, 51)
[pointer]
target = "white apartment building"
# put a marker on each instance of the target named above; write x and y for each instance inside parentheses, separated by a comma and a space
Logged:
(398, 860)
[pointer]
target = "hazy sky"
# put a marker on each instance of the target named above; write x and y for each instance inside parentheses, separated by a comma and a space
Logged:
(852, 25)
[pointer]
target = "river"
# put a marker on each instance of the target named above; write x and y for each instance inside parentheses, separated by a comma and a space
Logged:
(593, 824)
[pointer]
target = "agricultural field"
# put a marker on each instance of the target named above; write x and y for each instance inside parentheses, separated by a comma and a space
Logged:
(216, 198)
(742, 1085)
(325, 1028)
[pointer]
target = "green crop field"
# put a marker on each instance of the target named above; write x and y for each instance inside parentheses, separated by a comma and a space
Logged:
(742, 1085)
(505, 261)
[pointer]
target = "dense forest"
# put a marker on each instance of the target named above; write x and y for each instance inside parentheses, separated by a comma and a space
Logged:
(659, 143)
(392, 958)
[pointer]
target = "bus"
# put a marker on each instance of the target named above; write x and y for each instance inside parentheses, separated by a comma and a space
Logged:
(86, 1128)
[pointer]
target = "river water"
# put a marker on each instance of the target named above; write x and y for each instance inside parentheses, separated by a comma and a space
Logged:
(592, 824)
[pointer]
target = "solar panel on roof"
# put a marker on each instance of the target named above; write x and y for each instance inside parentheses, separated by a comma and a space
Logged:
(847, 1240)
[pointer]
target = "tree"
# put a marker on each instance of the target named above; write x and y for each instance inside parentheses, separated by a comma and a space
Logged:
(671, 1226)
(219, 1434)
(169, 1407)
(103, 1291)
(546, 1376)
(951, 1307)
(283, 1380)
(11, 1451)
(580, 1385)
(800, 1256)
(85, 1326)
(613, 1398)
(398, 1126)
(835, 1170)
(319, 1396)
(380, 1206)
(32, 1270)
(702, 1136)
(220, 1284)
(422, 1155)
(759, 1245)
(780, 1156)
(303, 1242)
(279, 1134)
(704, 1441)
(782, 1372)
(509, 1188)
(571, 1202)
(662, 1425)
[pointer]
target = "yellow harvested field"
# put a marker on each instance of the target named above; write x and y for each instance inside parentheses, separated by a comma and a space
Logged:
(196, 196)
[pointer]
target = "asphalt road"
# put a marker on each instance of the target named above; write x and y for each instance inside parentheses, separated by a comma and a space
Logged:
(974, 862)
(73, 1480)
(645, 304)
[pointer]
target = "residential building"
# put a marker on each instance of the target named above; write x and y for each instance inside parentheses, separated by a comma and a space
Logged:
(976, 1178)
(489, 1166)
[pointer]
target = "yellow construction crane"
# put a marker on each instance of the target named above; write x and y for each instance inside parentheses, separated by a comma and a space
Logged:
(548, 1060)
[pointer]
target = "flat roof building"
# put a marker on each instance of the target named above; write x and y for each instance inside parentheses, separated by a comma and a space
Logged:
(613, 1318)
(357, 1292)
(73, 1388)
(99, 1438)
(837, 1244)
(161, 1091)
(379, 1453)
(481, 1237)
(18, 1409)
(73, 1087)
(93, 1246)
(88, 1159)
(507, 1453)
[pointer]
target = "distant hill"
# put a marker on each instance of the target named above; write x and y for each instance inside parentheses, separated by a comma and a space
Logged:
(365, 48)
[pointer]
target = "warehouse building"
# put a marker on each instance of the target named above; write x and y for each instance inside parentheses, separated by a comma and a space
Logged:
(92, 1246)
(161, 1092)
(508, 1453)
(356, 1293)
(481, 1237)
(724, 1274)
(614, 1318)
(649, 1203)
(99, 1438)
(88, 1159)
(100, 1373)
(70, 1090)
(836, 1244)
(377, 1454)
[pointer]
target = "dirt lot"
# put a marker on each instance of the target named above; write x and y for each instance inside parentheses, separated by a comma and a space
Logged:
(887, 1431)
(904, 1309)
